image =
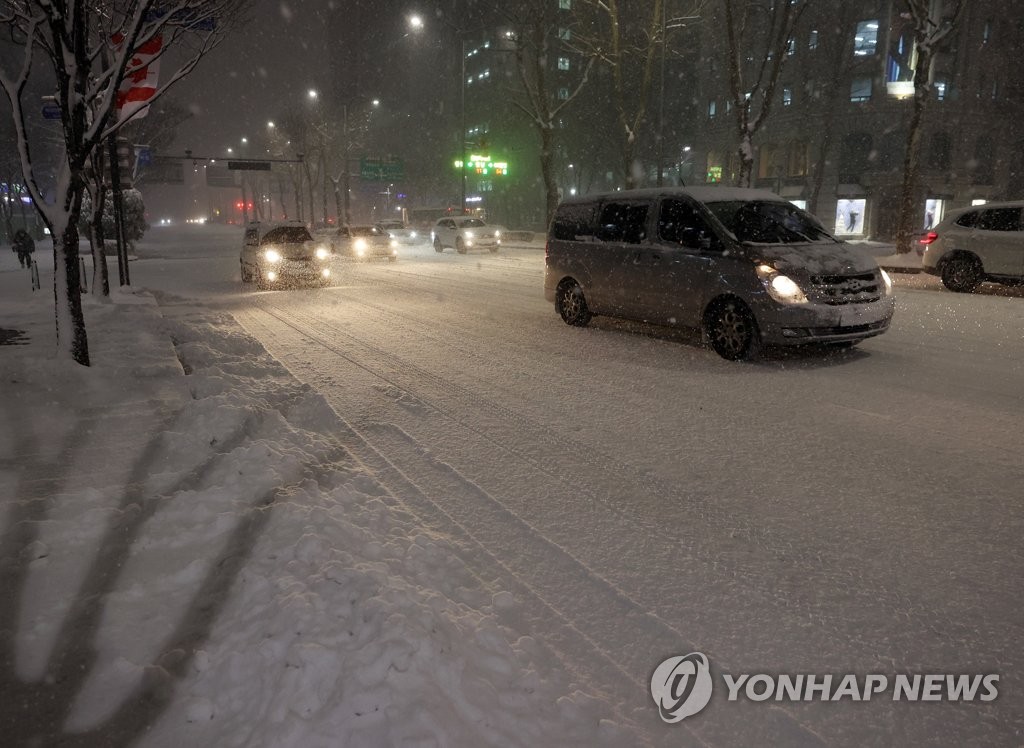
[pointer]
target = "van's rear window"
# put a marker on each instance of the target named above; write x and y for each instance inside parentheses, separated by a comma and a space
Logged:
(765, 222)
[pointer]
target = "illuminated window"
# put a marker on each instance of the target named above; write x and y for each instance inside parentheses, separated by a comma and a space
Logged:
(712, 108)
(812, 39)
(563, 93)
(787, 96)
(865, 41)
(798, 159)
(563, 63)
(564, 33)
(768, 162)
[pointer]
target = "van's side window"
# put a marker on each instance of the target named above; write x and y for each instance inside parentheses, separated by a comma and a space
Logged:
(680, 223)
(623, 222)
(574, 222)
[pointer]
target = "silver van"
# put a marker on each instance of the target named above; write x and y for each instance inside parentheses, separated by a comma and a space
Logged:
(744, 266)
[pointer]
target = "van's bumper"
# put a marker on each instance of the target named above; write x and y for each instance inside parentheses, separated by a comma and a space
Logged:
(826, 324)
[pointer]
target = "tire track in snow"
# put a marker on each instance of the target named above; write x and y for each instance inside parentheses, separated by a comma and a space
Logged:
(547, 571)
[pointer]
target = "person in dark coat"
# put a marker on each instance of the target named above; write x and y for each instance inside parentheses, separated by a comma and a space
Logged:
(24, 246)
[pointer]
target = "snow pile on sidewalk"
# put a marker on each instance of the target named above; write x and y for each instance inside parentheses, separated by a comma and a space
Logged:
(257, 587)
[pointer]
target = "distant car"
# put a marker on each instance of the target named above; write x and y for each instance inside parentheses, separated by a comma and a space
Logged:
(401, 232)
(464, 233)
(364, 242)
(283, 254)
(984, 243)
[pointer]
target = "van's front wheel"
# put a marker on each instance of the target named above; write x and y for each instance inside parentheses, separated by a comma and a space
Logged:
(571, 304)
(732, 330)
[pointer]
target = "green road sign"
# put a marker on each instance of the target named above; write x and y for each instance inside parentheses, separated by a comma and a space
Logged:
(381, 169)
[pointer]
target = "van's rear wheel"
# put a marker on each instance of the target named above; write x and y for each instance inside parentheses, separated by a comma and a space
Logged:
(961, 274)
(571, 304)
(732, 330)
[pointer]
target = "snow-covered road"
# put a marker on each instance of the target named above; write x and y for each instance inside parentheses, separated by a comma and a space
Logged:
(855, 512)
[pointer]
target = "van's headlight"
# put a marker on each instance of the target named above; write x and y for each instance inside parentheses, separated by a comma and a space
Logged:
(887, 281)
(497, 234)
(412, 234)
(468, 234)
(780, 287)
(360, 246)
(322, 253)
(394, 243)
(272, 255)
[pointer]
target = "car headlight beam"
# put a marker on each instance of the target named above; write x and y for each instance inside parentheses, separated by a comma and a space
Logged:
(271, 255)
(781, 288)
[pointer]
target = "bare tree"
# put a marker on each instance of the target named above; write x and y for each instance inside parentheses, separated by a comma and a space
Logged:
(74, 40)
(627, 40)
(758, 42)
(933, 21)
(534, 43)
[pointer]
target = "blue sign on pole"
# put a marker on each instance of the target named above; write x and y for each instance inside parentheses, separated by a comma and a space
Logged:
(51, 110)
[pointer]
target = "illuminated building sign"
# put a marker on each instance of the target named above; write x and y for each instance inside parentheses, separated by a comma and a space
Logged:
(714, 174)
(484, 165)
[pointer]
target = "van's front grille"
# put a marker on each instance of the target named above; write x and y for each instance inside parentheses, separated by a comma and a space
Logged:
(836, 290)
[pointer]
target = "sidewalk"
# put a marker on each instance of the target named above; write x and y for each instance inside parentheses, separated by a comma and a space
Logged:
(189, 555)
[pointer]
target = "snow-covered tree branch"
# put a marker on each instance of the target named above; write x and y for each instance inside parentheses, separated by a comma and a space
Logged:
(93, 51)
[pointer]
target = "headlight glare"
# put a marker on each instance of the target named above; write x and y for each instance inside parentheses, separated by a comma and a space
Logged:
(322, 253)
(272, 255)
(780, 287)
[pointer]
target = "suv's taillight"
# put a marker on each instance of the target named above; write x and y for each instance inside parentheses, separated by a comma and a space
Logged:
(928, 238)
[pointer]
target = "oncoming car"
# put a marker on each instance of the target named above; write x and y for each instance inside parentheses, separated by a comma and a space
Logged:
(400, 232)
(281, 255)
(364, 243)
(743, 266)
(464, 233)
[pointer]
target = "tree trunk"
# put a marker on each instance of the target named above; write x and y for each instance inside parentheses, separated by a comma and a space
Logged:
(905, 229)
(67, 282)
(100, 275)
(547, 171)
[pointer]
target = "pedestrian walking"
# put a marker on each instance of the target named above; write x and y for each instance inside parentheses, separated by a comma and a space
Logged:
(24, 246)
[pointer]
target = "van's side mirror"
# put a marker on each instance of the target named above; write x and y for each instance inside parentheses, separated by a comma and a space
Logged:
(611, 232)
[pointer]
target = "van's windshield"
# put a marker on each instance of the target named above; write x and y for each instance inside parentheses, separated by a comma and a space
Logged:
(766, 222)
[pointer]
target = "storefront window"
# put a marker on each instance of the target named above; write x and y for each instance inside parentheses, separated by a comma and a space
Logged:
(934, 209)
(850, 216)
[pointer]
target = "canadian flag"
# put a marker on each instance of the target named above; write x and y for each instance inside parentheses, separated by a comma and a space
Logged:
(140, 80)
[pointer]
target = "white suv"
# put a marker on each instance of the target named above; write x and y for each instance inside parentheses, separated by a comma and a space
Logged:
(464, 233)
(984, 243)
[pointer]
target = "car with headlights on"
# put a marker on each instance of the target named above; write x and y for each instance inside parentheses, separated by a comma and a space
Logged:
(464, 233)
(282, 255)
(401, 232)
(743, 266)
(364, 242)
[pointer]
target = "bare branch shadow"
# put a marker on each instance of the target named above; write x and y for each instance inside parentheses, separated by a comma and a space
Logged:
(34, 713)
